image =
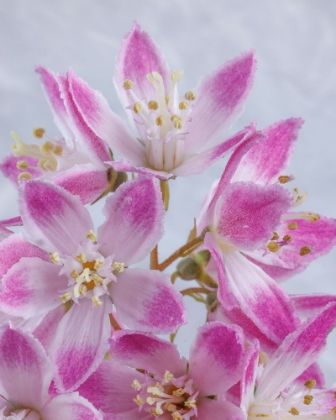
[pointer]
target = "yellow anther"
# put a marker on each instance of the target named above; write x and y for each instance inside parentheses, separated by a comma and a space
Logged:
(305, 250)
(292, 226)
(38, 132)
(46, 148)
(176, 121)
(190, 95)
(168, 376)
(273, 246)
(183, 105)
(313, 217)
(190, 404)
(74, 274)
(159, 386)
(275, 236)
(283, 179)
(98, 264)
(287, 238)
(55, 257)
(58, 150)
(91, 236)
(81, 258)
(178, 392)
(96, 301)
(65, 298)
(25, 175)
(82, 290)
(294, 411)
(153, 105)
(138, 400)
(137, 108)
(155, 412)
(22, 165)
(310, 384)
(177, 416)
(307, 399)
(263, 358)
(171, 407)
(159, 121)
(167, 100)
(136, 385)
(119, 267)
(128, 84)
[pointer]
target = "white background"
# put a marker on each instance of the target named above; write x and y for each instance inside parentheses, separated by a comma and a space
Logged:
(295, 42)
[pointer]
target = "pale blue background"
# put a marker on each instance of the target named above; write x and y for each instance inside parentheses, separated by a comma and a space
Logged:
(295, 45)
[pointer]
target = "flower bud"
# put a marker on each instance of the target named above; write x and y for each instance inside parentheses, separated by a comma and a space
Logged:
(188, 269)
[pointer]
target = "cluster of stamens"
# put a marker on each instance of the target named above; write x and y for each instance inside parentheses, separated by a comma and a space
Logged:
(175, 396)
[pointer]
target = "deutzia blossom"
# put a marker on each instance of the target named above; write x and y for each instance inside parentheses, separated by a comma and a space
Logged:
(88, 272)
(148, 378)
(25, 378)
(172, 131)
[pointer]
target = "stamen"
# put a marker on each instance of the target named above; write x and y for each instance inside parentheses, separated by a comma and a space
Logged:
(159, 121)
(136, 385)
(82, 290)
(25, 175)
(283, 179)
(65, 298)
(171, 408)
(178, 392)
(190, 404)
(275, 236)
(190, 95)
(168, 376)
(177, 416)
(183, 105)
(273, 246)
(167, 100)
(91, 236)
(96, 301)
(138, 400)
(287, 238)
(294, 411)
(38, 132)
(81, 258)
(54, 256)
(137, 108)
(303, 215)
(58, 150)
(98, 264)
(292, 226)
(310, 384)
(46, 148)
(176, 121)
(22, 165)
(307, 399)
(305, 250)
(153, 105)
(119, 267)
(74, 274)
(298, 199)
(128, 84)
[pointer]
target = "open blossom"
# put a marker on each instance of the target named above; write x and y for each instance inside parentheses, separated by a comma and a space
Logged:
(25, 378)
(171, 131)
(269, 391)
(75, 161)
(254, 236)
(89, 272)
(147, 378)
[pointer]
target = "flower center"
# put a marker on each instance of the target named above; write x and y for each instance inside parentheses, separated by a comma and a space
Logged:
(160, 122)
(167, 395)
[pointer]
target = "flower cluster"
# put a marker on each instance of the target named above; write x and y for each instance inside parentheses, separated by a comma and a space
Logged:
(80, 319)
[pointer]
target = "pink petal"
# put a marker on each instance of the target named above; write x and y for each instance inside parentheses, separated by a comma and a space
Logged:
(220, 100)
(248, 381)
(70, 406)
(13, 221)
(297, 352)
(247, 214)
(217, 358)
(9, 169)
(86, 181)
(138, 56)
(145, 351)
(96, 123)
(312, 372)
(14, 248)
(52, 91)
(46, 330)
(80, 343)
(147, 301)
(308, 305)
(245, 286)
(126, 166)
(214, 410)
(25, 371)
(196, 164)
(320, 236)
(30, 288)
(134, 221)
(54, 218)
(4, 233)
(266, 161)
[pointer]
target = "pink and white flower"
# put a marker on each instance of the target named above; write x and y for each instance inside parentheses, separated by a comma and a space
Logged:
(172, 131)
(148, 378)
(25, 378)
(254, 236)
(72, 264)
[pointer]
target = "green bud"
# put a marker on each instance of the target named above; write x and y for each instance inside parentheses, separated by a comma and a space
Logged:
(188, 269)
(211, 298)
(203, 257)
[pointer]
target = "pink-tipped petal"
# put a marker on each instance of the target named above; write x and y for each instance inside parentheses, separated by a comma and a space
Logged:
(266, 161)
(16, 247)
(55, 219)
(134, 221)
(309, 305)
(209, 409)
(13, 221)
(196, 164)
(25, 371)
(145, 351)
(70, 406)
(138, 56)
(217, 358)
(52, 91)
(147, 301)
(86, 181)
(247, 383)
(247, 214)
(297, 352)
(80, 343)
(4, 233)
(312, 372)
(46, 329)
(10, 170)
(220, 100)
(30, 288)
(98, 126)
